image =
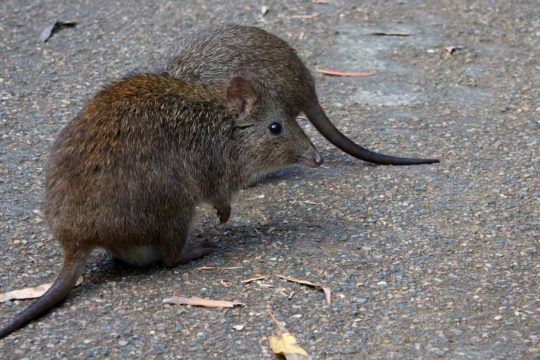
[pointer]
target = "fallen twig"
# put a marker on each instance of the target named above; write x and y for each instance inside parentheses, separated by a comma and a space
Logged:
(338, 73)
(219, 268)
(382, 33)
(305, 16)
(247, 281)
(326, 290)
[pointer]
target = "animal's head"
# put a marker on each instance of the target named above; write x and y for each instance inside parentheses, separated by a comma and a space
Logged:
(269, 137)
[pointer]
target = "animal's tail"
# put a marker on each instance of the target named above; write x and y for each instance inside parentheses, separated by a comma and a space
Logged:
(319, 119)
(65, 281)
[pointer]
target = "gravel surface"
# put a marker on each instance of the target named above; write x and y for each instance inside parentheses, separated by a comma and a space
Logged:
(424, 262)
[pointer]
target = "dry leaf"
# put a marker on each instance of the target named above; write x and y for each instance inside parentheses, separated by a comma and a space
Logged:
(338, 73)
(51, 29)
(327, 294)
(197, 301)
(283, 343)
(31, 292)
(326, 290)
(247, 281)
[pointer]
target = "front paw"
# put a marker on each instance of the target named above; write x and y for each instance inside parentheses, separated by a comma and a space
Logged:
(223, 212)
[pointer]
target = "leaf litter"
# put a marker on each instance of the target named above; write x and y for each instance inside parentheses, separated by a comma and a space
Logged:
(326, 290)
(247, 281)
(283, 343)
(450, 50)
(31, 292)
(197, 301)
(311, 16)
(50, 30)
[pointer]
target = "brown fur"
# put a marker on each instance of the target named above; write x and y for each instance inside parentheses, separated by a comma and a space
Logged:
(128, 171)
(212, 56)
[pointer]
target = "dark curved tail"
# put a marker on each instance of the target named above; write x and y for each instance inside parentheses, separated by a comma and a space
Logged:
(65, 281)
(319, 119)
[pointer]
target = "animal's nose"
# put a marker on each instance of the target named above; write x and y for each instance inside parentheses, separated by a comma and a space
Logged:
(318, 159)
(312, 159)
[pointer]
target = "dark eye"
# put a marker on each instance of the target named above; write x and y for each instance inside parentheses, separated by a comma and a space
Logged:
(275, 128)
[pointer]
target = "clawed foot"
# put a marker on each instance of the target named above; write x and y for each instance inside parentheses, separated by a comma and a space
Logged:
(190, 252)
(223, 212)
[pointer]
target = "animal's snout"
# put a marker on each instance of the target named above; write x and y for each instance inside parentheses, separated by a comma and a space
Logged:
(312, 158)
(317, 159)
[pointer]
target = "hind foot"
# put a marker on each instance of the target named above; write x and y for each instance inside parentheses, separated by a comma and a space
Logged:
(190, 252)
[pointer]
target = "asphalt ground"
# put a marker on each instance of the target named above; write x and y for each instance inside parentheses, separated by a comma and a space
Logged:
(424, 262)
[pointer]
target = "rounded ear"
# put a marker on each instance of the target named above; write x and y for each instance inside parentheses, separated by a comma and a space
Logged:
(240, 95)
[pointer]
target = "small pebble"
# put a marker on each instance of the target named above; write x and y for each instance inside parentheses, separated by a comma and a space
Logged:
(440, 352)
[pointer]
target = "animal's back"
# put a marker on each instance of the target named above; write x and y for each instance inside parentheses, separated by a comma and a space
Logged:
(214, 55)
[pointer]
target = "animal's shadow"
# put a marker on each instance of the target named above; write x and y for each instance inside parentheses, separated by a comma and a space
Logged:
(101, 269)
(229, 238)
(338, 166)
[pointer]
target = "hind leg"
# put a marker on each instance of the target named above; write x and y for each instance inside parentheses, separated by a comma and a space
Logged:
(191, 252)
(188, 253)
(139, 256)
(176, 248)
